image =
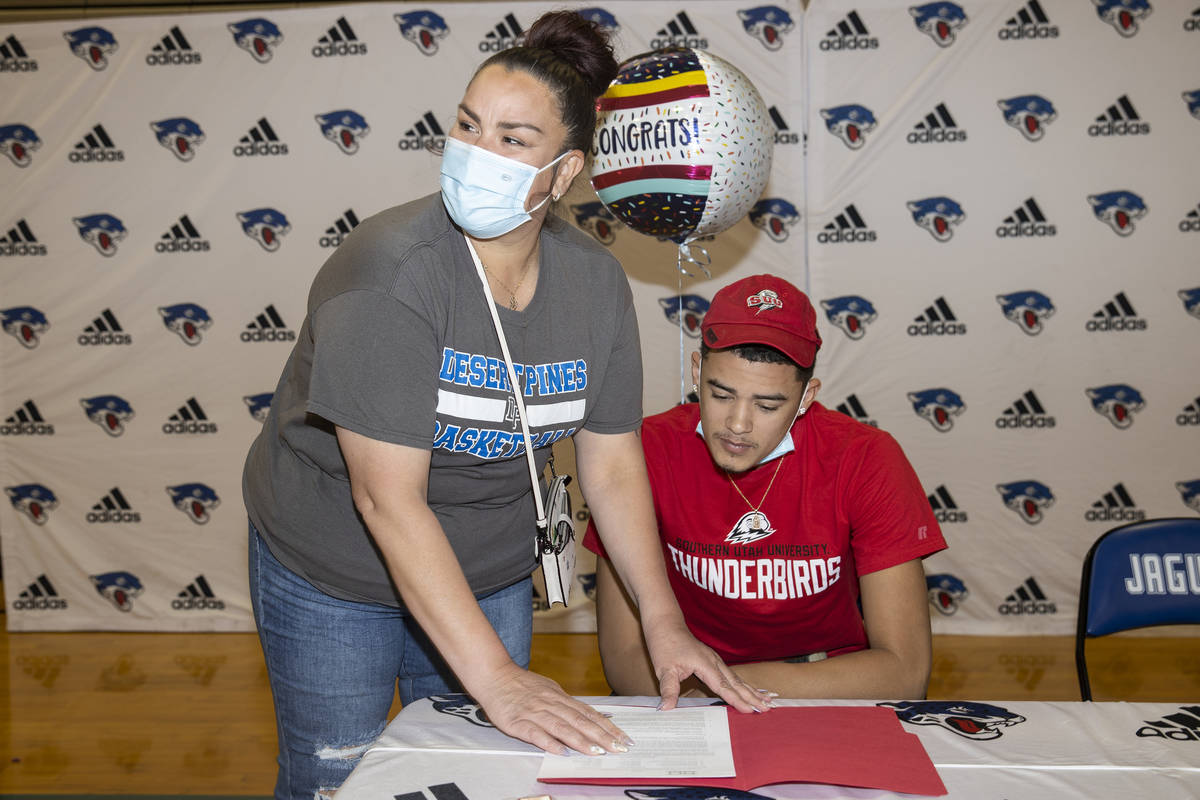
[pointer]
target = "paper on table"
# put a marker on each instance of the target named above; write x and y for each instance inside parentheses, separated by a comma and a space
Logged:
(862, 746)
(682, 743)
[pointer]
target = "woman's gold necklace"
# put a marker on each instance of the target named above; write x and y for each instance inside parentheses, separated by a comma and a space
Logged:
(758, 521)
(512, 292)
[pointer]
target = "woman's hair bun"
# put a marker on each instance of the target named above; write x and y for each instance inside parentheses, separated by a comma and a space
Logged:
(579, 42)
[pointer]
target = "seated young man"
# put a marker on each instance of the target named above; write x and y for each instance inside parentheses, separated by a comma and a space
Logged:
(792, 535)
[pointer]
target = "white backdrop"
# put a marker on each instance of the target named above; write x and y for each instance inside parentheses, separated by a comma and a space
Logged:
(170, 189)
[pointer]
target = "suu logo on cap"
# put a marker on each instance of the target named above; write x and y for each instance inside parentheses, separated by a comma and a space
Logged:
(764, 300)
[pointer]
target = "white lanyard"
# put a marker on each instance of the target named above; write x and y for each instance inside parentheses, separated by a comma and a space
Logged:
(512, 381)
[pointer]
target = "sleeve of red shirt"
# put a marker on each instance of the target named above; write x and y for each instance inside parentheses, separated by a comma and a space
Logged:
(591, 540)
(891, 521)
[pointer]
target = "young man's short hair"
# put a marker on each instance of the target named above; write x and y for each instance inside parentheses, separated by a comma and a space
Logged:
(760, 354)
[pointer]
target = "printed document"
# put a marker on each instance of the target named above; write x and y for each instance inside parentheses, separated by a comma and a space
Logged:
(682, 743)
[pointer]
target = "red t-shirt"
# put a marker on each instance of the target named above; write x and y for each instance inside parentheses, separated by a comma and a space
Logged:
(845, 503)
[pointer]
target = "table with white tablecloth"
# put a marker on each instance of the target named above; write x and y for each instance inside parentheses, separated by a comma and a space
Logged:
(443, 748)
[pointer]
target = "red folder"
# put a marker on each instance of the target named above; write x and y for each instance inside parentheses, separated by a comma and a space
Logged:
(863, 746)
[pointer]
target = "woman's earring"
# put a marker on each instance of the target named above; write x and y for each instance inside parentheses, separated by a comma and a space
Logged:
(695, 388)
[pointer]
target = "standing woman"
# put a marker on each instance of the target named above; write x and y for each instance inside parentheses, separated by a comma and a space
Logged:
(392, 517)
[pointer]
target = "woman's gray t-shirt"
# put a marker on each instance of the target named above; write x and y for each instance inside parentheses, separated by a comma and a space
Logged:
(398, 346)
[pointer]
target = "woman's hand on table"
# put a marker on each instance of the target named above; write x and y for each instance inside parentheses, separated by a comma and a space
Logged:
(677, 655)
(535, 709)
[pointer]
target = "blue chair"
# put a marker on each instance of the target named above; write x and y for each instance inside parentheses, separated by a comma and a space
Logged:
(1137, 576)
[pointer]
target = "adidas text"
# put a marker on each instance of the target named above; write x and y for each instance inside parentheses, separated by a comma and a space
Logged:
(1192, 418)
(1115, 515)
(261, 149)
(1190, 226)
(1028, 607)
(1178, 734)
(26, 249)
(104, 338)
(182, 246)
(695, 42)
(1122, 128)
(1026, 229)
(198, 604)
(340, 49)
(1191, 25)
(85, 156)
(950, 516)
(114, 516)
(189, 427)
(1028, 31)
(937, 329)
(850, 43)
(1016, 421)
(27, 429)
(938, 135)
(786, 138)
(845, 236)
(39, 604)
(174, 57)
(497, 44)
(18, 65)
(268, 336)
(1119, 324)
(422, 142)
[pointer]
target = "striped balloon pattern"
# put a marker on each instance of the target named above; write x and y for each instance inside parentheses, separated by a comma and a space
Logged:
(683, 145)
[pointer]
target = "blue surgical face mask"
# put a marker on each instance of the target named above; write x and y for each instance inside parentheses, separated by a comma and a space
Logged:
(485, 192)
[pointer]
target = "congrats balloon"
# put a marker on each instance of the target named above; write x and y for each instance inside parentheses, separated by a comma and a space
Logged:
(683, 144)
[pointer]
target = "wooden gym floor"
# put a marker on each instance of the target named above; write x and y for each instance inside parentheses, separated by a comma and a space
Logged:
(131, 714)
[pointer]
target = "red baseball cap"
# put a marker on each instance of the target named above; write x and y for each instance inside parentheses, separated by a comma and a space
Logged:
(763, 309)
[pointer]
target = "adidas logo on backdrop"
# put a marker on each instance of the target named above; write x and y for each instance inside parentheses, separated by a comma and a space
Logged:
(1190, 414)
(113, 507)
(261, 140)
(13, 57)
(849, 34)
(847, 227)
(338, 231)
(1189, 224)
(944, 508)
(1026, 220)
(197, 596)
(20, 241)
(173, 49)
(190, 418)
(1120, 119)
(938, 320)
(425, 133)
(783, 133)
(1030, 22)
(340, 40)
(1027, 598)
(104, 330)
(27, 420)
(268, 327)
(182, 238)
(1192, 23)
(1115, 506)
(1025, 412)
(95, 146)
(937, 127)
(854, 409)
(39, 596)
(1116, 315)
(678, 32)
(504, 35)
